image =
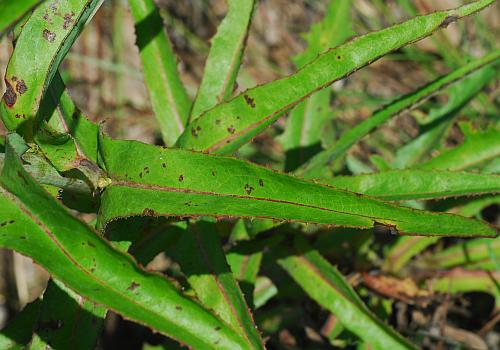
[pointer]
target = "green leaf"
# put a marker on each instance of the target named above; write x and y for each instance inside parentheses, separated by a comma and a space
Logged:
(36, 225)
(226, 127)
(168, 96)
(301, 137)
(323, 283)
(13, 11)
(465, 253)
(403, 250)
(174, 182)
(17, 334)
(463, 281)
(439, 120)
(476, 148)
(315, 167)
(66, 320)
(224, 59)
(200, 255)
(418, 184)
(44, 41)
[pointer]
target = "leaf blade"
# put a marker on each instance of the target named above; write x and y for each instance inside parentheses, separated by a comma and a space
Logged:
(229, 125)
(174, 182)
(224, 58)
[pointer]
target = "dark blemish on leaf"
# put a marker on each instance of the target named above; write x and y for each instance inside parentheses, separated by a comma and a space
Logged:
(218, 328)
(447, 21)
(146, 170)
(140, 174)
(339, 57)
(133, 286)
(22, 237)
(248, 189)
(250, 101)
(181, 178)
(10, 96)
(188, 203)
(238, 117)
(21, 87)
(217, 122)
(49, 36)
(213, 173)
(231, 129)
(11, 222)
(91, 244)
(68, 19)
(164, 165)
(194, 132)
(178, 308)
(261, 183)
(20, 116)
(92, 269)
(148, 212)
(14, 78)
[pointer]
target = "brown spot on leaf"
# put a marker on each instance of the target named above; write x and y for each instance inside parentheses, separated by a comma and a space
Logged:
(250, 101)
(133, 286)
(231, 129)
(248, 189)
(181, 178)
(213, 173)
(261, 183)
(20, 116)
(68, 19)
(148, 212)
(447, 21)
(49, 36)
(21, 87)
(178, 308)
(217, 121)
(218, 328)
(164, 165)
(10, 96)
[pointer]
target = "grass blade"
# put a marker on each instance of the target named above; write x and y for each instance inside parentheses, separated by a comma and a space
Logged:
(44, 41)
(168, 96)
(36, 225)
(200, 255)
(315, 167)
(174, 182)
(403, 250)
(396, 185)
(13, 11)
(224, 59)
(226, 127)
(323, 283)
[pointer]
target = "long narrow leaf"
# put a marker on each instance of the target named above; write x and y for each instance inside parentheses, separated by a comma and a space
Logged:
(44, 41)
(323, 283)
(168, 96)
(477, 147)
(418, 184)
(224, 59)
(302, 137)
(36, 225)
(315, 167)
(200, 255)
(173, 182)
(228, 126)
